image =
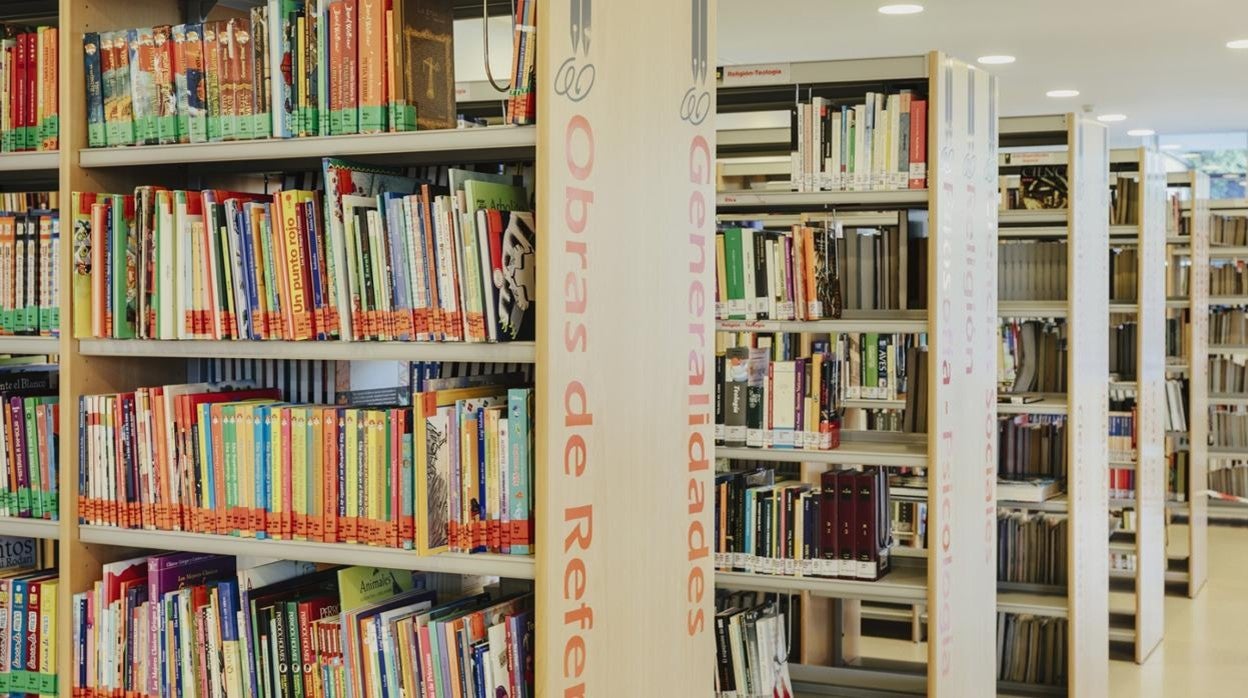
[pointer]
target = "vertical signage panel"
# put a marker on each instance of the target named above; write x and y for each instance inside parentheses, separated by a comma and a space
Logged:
(1088, 393)
(625, 180)
(962, 323)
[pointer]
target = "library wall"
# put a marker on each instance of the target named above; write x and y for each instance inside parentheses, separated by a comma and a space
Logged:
(624, 334)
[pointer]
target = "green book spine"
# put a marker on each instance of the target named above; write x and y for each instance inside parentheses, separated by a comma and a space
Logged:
(734, 264)
(870, 360)
(229, 439)
(124, 250)
(295, 650)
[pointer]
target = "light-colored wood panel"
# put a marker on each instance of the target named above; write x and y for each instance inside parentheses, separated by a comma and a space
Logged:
(1087, 373)
(962, 408)
(625, 382)
(1198, 412)
(1150, 469)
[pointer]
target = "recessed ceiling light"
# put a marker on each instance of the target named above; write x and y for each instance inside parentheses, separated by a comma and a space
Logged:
(1231, 175)
(1171, 146)
(1110, 118)
(1237, 43)
(1141, 132)
(1062, 93)
(904, 9)
(996, 60)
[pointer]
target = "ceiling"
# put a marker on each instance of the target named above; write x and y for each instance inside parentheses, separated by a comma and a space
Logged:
(1164, 64)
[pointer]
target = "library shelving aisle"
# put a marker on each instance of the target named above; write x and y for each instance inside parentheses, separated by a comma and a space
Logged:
(1188, 308)
(956, 580)
(1227, 465)
(621, 578)
(1138, 464)
(1059, 164)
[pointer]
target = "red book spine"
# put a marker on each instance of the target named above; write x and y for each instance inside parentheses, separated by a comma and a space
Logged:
(220, 518)
(393, 522)
(846, 511)
(918, 144)
(828, 498)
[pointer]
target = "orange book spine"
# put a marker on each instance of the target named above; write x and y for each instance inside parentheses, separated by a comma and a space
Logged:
(300, 321)
(813, 309)
(372, 66)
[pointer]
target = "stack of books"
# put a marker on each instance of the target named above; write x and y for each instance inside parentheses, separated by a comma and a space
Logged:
(879, 144)
(751, 646)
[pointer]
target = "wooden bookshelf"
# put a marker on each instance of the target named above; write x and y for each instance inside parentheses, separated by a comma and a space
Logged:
(1149, 541)
(954, 584)
(619, 502)
(1085, 599)
(1193, 249)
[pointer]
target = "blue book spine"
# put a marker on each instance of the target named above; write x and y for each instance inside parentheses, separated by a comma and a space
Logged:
(481, 503)
(96, 126)
(519, 420)
(50, 487)
(17, 631)
(82, 457)
(263, 452)
(478, 670)
(246, 265)
(210, 484)
(400, 294)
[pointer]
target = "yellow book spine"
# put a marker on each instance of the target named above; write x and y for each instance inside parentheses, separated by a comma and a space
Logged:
(299, 470)
(245, 464)
(300, 320)
(47, 638)
(352, 435)
(376, 476)
(316, 476)
(279, 475)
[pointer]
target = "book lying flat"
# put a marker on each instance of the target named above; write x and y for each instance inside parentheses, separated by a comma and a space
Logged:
(1032, 490)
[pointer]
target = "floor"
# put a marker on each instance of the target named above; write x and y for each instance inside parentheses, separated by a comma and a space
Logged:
(1205, 651)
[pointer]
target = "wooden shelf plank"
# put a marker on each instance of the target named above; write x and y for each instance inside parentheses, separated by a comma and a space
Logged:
(34, 162)
(1047, 309)
(510, 566)
(772, 200)
(891, 454)
(866, 404)
(29, 345)
(1032, 216)
(500, 352)
(885, 321)
(494, 143)
(30, 528)
(903, 584)
(1050, 403)
(1056, 505)
(1227, 399)
(1034, 604)
(1228, 300)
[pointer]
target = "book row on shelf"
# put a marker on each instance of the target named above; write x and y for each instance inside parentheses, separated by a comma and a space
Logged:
(1227, 375)
(1124, 274)
(813, 272)
(1179, 335)
(1228, 230)
(1031, 446)
(1032, 270)
(1036, 186)
(29, 100)
(372, 255)
(1031, 356)
(1178, 468)
(30, 253)
(288, 69)
(28, 631)
(879, 144)
(839, 528)
(752, 645)
(1226, 279)
(1032, 547)
(1228, 325)
(1124, 350)
(771, 394)
(1032, 649)
(451, 472)
(1176, 404)
(29, 442)
(1229, 476)
(1229, 426)
(1124, 207)
(206, 625)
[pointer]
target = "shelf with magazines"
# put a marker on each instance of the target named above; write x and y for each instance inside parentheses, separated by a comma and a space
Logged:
(1051, 491)
(1139, 417)
(1189, 277)
(364, 417)
(825, 256)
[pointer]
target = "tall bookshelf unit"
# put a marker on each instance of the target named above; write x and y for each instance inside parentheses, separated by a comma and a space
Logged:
(1199, 210)
(1143, 627)
(622, 581)
(1085, 227)
(1191, 569)
(956, 451)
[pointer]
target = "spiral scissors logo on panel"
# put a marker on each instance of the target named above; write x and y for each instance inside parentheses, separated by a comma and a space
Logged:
(696, 104)
(571, 79)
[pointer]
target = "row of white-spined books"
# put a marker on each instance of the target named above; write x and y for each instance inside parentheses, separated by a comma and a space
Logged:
(751, 646)
(879, 144)
(374, 255)
(454, 472)
(204, 625)
(288, 69)
(30, 254)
